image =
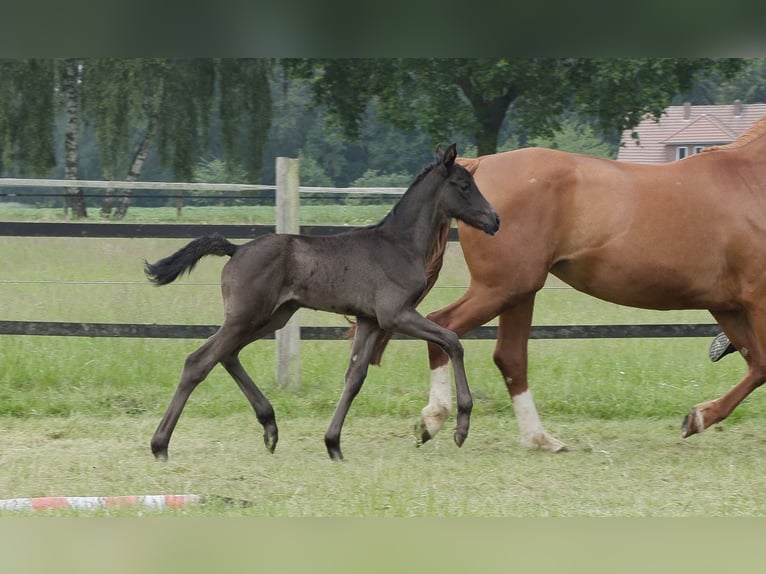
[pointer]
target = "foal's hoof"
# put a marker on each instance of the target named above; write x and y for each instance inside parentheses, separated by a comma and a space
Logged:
(335, 454)
(159, 449)
(460, 437)
(160, 454)
(693, 423)
(270, 440)
(332, 444)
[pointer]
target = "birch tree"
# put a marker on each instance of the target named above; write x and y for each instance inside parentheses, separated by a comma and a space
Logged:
(123, 100)
(70, 89)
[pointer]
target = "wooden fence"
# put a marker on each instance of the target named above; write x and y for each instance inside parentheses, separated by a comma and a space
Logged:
(287, 354)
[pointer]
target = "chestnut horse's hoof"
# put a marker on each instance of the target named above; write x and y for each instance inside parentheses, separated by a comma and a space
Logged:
(693, 423)
(544, 441)
(422, 435)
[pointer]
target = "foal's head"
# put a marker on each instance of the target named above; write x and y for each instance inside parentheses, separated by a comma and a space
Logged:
(459, 197)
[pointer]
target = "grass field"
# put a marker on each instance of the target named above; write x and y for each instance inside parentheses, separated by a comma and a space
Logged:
(76, 414)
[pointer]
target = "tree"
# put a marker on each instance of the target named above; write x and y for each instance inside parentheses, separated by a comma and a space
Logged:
(749, 86)
(476, 96)
(245, 111)
(170, 103)
(27, 112)
(28, 106)
(619, 93)
(303, 128)
(575, 136)
(136, 104)
(70, 70)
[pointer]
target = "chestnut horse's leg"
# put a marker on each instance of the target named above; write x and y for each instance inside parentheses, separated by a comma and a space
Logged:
(511, 358)
(747, 332)
(365, 337)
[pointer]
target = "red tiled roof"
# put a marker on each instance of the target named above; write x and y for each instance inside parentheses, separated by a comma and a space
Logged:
(687, 125)
(703, 130)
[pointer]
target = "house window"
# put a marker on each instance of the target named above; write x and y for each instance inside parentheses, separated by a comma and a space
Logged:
(681, 152)
(697, 148)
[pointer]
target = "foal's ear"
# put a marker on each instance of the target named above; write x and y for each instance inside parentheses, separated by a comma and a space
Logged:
(449, 156)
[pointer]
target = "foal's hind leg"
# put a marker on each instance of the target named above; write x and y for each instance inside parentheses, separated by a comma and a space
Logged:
(264, 412)
(748, 334)
(197, 366)
(367, 333)
(224, 347)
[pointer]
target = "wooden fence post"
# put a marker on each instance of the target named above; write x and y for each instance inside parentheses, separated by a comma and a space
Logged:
(288, 221)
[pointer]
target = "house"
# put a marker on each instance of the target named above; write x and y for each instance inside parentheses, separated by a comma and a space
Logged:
(685, 130)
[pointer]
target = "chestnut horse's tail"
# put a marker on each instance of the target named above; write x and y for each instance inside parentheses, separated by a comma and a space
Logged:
(182, 261)
(433, 267)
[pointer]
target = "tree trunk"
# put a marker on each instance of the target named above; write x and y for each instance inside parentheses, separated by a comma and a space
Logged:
(490, 117)
(489, 114)
(136, 166)
(108, 203)
(142, 152)
(74, 197)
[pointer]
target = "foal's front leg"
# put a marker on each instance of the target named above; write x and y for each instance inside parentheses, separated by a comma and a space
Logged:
(367, 333)
(410, 322)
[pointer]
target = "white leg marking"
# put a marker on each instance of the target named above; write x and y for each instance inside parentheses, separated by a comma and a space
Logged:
(700, 420)
(439, 400)
(533, 434)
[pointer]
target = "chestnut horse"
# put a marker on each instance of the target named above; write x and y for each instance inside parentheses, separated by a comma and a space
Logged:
(690, 234)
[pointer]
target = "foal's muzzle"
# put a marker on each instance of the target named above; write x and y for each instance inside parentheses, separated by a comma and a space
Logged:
(491, 227)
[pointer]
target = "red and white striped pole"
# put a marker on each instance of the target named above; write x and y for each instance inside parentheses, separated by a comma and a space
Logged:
(153, 502)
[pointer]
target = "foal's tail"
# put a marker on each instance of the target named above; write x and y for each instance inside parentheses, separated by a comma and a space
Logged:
(168, 269)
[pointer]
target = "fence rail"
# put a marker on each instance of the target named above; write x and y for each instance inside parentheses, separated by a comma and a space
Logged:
(179, 230)
(155, 230)
(239, 231)
(156, 331)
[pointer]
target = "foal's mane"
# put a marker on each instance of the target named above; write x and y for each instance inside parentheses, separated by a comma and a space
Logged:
(754, 132)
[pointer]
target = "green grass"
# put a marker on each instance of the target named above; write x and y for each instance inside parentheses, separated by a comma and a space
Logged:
(76, 414)
(626, 468)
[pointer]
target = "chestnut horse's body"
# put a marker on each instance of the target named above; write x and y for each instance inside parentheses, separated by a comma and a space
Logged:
(690, 234)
